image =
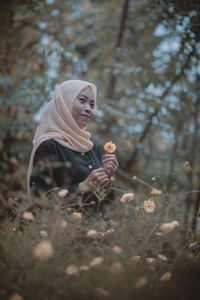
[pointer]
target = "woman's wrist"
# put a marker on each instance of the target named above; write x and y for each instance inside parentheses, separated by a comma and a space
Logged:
(83, 188)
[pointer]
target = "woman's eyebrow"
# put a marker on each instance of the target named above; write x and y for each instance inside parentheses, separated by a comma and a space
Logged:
(82, 95)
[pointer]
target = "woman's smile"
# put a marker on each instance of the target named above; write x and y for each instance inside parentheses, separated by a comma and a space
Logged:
(83, 107)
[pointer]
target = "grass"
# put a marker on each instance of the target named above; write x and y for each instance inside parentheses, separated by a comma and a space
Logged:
(122, 274)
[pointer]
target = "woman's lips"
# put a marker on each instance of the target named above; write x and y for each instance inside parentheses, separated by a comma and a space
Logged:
(86, 116)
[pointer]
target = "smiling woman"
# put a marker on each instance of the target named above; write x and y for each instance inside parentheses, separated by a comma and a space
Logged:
(63, 155)
(83, 107)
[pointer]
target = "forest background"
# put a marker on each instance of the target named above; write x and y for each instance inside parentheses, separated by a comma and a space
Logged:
(144, 58)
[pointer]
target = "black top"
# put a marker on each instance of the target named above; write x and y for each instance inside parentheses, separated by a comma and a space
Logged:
(57, 166)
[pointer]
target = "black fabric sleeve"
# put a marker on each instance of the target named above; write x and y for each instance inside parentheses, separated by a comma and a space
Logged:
(48, 170)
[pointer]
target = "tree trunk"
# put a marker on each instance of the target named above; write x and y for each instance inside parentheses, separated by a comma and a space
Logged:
(112, 79)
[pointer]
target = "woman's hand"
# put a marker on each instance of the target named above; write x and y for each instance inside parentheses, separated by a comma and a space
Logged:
(110, 164)
(95, 179)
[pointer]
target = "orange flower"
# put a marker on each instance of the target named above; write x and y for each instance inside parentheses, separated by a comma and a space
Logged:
(150, 260)
(141, 282)
(84, 268)
(162, 257)
(149, 205)
(72, 270)
(110, 147)
(28, 216)
(167, 227)
(116, 268)
(166, 277)
(77, 215)
(135, 258)
(16, 296)
(43, 250)
(128, 197)
(93, 234)
(100, 292)
(156, 192)
(43, 233)
(63, 223)
(62, 193)
(117, 249)
(97, 261)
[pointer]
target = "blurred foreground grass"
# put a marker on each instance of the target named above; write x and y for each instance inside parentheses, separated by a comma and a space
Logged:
(53, 251)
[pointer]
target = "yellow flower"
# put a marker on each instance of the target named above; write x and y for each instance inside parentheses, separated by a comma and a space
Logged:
(77, 215)
(128, 197)
(43, 233)
(156, 192)
(162, 257)
(116, 268)
(43, 250)
(72, 270)
(149, 205)
(28, 216)
(110, 147)
(63, 223)
(117, 249)
(62, 193)
(100, 292)
(141, 282)
(167, 227)
(97, 261)
(16, 296)
(150, 260)
(166, 277)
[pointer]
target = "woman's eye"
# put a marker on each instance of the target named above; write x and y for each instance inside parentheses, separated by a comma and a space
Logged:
(82, 100)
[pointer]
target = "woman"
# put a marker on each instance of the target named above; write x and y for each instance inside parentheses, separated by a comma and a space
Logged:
(63, 155)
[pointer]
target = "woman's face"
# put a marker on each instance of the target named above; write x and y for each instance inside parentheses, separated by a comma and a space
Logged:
(83, 107)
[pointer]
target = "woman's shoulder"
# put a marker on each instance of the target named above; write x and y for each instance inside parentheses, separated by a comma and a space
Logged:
(46, 148)
(48, 145)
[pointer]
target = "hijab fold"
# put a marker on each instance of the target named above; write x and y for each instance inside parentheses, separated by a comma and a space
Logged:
(57, 123)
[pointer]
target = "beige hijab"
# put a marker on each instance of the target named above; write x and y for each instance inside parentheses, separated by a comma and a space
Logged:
(57, 123)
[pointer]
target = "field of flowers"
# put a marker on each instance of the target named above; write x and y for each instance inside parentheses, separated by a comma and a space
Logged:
(136, 248)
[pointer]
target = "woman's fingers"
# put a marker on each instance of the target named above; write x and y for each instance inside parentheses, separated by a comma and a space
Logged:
(111, 159)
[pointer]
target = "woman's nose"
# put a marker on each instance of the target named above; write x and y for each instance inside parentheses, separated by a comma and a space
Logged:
(87, 107)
